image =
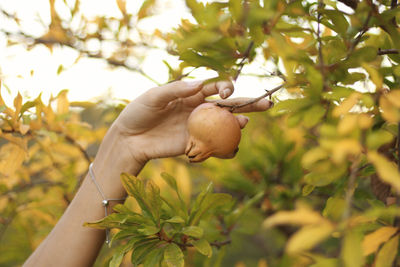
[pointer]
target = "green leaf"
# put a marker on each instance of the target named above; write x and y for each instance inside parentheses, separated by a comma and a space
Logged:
(209, 201)
(171, 181)
(334, 208)
(120, 252)
(236, 9)
(121, 235)
(149, 230)
(114, 220)
(173, 256)
(340, 23)
(352, 254)
(193, 231)
(154, 199)
(378, 138)
(154, 258)
(175, 219)
(388, 253)
(142, 248)
(203, 247)
(148, 197)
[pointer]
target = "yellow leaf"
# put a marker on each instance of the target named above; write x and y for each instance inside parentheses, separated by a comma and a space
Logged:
(373, 240)
(374, 75)
(346, 105)
(17, 106)
(394, 97)
(308, 237)
(344, 148)
(300, 216)
(23, 128)
(390, 112)
(11, 158)
(388, 253)
(122, 6)
(365, 121)
(387, 170)
(347, 124)
(62, 102)
(312, 156)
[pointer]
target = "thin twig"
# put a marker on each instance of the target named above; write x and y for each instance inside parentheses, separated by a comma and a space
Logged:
(241, 63)
(253, 100)
(387, 51)
(89, 54)
(351, 186)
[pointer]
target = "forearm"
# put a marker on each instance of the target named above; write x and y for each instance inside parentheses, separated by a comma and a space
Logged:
(71, 244)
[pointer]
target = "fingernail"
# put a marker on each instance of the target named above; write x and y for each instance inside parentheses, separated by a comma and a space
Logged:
(194, 83)
(225, 93)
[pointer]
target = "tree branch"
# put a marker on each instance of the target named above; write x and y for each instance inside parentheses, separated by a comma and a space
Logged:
(241, 63)
(387, 51)
(253, 100)
(98, 55)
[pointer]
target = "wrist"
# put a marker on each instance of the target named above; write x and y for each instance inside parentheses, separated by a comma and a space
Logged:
(113, 158)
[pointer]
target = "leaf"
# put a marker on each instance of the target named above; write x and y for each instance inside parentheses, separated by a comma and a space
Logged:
(144, 10)
(113, 220)
(171, 181)
(203, 247)
(149, 230)
(12, 156)
(193, 231)
(307, 189)
(390, 109)
(387, 170)
(334, 208)
(346, 105)
(154, 199)
(352, 254)
(62, 102)
(373, 240)
(120, 252)
(339, 21)
(308, 237)
(378, 138)
(210, 202)
(236, 9)
(154, 258)
(122, 6)
(345, 147)
(135, 188)
(175, 219)
(300, 216)
(374, 75)
(142, 248)
(173, 256)
(388, 253)
(60, 69)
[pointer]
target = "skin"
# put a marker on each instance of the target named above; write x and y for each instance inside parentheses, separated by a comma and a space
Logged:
(152, 126)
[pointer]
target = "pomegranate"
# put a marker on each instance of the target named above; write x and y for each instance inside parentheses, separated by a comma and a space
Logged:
(213, 132)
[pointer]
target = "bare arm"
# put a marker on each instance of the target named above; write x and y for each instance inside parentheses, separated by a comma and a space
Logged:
(152, 126)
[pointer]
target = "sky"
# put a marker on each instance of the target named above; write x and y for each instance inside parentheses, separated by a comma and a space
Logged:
(35, 71)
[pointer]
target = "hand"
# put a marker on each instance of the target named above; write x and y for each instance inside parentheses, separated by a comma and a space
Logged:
(154, 124)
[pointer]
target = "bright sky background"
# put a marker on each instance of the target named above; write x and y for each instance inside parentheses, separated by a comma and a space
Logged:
(91, 79)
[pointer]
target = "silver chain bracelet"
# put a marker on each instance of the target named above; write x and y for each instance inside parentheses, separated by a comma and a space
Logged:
(105, 202)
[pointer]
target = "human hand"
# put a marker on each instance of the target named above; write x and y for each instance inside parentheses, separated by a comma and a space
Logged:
(155, 124)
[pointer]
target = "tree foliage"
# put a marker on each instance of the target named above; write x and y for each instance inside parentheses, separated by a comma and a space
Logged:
(316, 181)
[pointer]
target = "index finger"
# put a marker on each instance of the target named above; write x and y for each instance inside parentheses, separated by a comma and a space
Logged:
(245, 104)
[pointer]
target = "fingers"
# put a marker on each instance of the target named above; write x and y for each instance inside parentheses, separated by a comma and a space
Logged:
(243, 120)
(260, 105)
(160, 96)
(223, 88)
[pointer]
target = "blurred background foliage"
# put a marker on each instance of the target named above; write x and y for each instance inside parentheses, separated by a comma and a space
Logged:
(325, 159)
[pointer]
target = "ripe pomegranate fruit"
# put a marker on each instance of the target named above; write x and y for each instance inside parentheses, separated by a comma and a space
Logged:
(213, 132)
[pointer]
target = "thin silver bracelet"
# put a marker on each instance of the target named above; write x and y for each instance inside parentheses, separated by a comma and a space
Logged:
(105, 202)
